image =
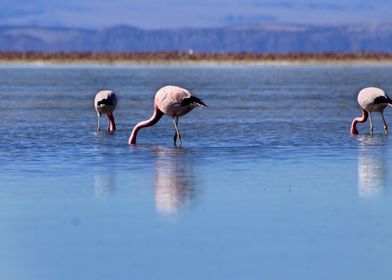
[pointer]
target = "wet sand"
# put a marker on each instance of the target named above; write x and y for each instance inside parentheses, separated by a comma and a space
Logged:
(192, 58)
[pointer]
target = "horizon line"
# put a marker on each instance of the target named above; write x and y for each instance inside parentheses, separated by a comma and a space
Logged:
(228, 26)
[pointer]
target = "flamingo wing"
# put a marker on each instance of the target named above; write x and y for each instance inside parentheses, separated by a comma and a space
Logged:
(193, 100)
(383, 100)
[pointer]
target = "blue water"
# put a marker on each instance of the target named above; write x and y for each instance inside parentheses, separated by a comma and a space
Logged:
(268, 184)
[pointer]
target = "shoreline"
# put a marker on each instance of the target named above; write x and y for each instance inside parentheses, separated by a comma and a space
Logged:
(191, 59)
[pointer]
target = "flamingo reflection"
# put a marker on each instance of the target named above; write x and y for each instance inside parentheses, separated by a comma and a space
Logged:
(104, 186)
(174, 180)
(372, 167)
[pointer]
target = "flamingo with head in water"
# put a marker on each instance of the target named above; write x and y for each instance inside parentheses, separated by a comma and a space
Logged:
(371, 99)
(105, 102)
(173, 101)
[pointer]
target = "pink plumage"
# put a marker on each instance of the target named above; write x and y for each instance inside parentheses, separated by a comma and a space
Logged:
(105, 102)
(371, 99)
(173, 101)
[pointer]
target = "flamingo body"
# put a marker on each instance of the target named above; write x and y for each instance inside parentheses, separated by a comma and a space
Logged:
(371, 99)
(169, 101)
(173, 101)
(105, 103)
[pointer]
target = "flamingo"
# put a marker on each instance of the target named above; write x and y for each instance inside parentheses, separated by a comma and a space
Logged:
(173, 101)
(105, 102)
(371, 99)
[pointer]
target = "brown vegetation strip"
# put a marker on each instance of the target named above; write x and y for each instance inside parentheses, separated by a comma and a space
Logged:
(139, 57)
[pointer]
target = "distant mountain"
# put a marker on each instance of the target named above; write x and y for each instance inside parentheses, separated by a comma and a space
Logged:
(276, 38)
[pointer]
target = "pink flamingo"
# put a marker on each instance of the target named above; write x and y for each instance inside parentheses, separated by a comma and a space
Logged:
(371, 99)
(172, 101)
(105, 102)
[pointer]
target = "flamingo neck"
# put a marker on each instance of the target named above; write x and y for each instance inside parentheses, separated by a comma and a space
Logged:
(156, 116)
(112, 124)
(362, 119)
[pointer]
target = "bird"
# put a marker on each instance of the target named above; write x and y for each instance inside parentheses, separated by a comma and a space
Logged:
(172, 101)
(105, 102)
(371, 99)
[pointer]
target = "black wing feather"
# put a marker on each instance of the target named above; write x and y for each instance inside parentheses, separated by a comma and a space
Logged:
(105, 102)
(192, 99)
(382, 100)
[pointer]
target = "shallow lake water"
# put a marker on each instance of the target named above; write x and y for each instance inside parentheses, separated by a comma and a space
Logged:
(268, 183)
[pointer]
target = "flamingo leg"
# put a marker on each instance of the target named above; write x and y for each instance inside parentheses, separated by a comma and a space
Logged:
(175, 121)
(175, 137)
(371, 123)
(385, 124)
(99, 122)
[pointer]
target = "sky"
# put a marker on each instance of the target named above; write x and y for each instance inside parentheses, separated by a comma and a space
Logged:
(155, 14)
